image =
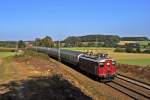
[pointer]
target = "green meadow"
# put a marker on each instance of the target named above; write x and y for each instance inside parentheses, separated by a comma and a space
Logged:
(122, 58)
(6, 54)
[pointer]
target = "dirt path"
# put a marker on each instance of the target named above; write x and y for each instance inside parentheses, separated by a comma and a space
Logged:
(0, 61)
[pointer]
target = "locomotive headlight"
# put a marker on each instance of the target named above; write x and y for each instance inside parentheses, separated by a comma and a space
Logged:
(108, 64)
(114, 63)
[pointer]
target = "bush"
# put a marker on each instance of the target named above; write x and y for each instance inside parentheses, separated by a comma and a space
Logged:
(146, 51)
(138, 50)
(36, 54)
(130, 50)
(119, 50)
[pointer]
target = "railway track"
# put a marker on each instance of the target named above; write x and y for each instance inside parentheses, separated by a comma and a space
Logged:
(133, 88)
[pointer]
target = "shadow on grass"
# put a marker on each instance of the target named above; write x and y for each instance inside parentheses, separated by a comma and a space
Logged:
(43, 88)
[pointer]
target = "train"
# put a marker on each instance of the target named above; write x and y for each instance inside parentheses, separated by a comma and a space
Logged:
(101, 67)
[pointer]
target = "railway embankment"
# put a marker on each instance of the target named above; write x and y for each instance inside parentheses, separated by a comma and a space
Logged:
(136, 72)
(46, 78)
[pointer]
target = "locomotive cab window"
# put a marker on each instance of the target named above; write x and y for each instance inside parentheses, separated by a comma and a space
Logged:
(101, 64)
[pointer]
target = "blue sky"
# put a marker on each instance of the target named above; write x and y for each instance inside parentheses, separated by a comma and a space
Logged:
(28, 19)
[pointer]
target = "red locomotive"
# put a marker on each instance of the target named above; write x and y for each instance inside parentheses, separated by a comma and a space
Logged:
(100, 66)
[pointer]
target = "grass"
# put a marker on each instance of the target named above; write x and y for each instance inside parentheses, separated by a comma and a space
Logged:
(143, 42)
(140, 62)
(7, 66)
(89, 48)
(123, 58)
(6, 54)
(7, 71)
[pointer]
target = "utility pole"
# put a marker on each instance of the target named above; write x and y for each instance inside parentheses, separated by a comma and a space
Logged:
(59, 51)
(96, 42)
(36, 45)
(17, 45)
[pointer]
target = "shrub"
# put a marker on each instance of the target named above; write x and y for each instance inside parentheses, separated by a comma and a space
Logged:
(17, 55)
(36, 54)
(146, 51)
(119, 50)
(138, 50)
(130, 50)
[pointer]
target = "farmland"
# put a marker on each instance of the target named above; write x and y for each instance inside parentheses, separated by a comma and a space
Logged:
(140, 42)
(122, 58)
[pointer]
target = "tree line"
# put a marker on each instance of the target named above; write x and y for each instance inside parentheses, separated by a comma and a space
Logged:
(99, 40)
(134, 39)
(74, 41)
(8, 44)
(45, 42)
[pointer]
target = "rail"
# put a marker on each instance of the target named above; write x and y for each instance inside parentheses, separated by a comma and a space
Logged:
(133, 88)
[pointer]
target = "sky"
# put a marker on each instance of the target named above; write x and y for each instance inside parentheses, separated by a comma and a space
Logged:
(30, 19)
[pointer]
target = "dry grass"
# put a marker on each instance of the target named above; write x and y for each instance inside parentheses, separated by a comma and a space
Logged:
(29, 66)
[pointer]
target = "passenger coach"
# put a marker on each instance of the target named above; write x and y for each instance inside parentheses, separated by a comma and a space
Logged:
(100, 66)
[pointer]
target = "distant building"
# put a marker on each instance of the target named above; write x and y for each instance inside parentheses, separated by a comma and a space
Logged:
(126, 42)
(28, 44)
(133, 45)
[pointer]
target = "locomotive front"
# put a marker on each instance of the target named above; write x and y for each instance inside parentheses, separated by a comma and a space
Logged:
(101, 67)
(107, 69)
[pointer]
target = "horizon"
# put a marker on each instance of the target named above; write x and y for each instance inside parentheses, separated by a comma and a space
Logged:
(75, 36)
(30, 19)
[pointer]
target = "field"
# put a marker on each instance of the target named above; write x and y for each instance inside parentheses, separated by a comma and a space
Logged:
(143, 42)
(7, 67)
(140, 42)
(122, 58)
(6, 54)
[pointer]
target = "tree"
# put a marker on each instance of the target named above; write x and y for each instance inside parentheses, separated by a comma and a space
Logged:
(8, 44)
(138, 50)
(46, 42)
(72, 41)
(134, 39)
(37, 42)
(130, 50)
(21, 44)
